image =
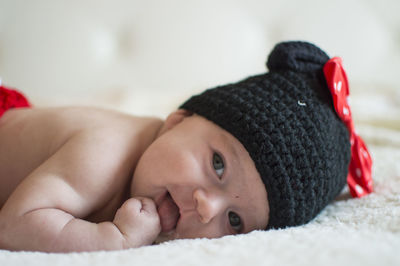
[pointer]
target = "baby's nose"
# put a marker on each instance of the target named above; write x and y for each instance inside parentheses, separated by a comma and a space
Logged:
(208, 205)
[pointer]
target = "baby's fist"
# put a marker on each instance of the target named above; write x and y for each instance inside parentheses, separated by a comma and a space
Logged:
(138, 221)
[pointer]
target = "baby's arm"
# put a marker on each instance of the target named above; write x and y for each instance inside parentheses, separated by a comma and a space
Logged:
(42, 213)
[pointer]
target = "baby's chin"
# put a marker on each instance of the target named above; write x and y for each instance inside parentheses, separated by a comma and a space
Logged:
(164, 237)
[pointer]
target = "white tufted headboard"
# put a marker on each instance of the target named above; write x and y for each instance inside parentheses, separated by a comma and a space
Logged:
(148, 56)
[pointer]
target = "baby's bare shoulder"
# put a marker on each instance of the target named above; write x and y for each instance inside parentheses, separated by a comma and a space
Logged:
(75, 119)
(51, 127)
(83, 136)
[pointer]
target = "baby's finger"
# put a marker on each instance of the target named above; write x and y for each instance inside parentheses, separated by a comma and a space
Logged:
(132, 205)
(148, 205)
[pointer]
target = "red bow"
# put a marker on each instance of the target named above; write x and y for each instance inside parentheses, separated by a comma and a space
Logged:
(11, 99)
(359, 177)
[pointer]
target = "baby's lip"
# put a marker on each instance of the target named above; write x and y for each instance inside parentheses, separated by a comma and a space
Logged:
(160, 198)
(168, 211)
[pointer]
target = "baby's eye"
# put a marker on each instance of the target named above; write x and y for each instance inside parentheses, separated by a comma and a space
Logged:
(235, 222)
(218, 164)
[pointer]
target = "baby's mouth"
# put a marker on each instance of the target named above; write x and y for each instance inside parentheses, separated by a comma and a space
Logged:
(168, 212)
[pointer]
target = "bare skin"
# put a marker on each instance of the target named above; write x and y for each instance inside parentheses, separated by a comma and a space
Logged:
(64, 174)
(85, 179)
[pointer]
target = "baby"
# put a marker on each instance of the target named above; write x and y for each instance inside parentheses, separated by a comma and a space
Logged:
(270, 151)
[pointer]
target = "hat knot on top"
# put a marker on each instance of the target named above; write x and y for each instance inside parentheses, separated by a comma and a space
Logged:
(286, 121)
(297, 56)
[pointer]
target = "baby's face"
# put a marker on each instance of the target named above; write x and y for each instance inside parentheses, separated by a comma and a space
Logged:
(202, 180)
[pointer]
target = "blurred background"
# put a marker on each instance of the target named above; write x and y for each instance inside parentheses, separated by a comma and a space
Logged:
(146, 57)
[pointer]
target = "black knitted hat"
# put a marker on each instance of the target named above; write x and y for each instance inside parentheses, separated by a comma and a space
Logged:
(286, 121)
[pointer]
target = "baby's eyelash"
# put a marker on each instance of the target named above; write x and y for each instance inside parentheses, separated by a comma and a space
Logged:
(235, 222)
(218, 164)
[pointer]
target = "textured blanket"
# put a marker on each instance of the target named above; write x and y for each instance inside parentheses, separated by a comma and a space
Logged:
(350, 231)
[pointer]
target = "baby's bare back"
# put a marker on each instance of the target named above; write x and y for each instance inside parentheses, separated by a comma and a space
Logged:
(66, 154)
(28, 137)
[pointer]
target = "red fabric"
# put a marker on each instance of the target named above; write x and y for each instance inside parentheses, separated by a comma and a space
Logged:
(359, 177)
(11, 99)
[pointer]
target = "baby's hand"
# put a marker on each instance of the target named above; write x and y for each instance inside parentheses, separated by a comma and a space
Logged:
(138, 221)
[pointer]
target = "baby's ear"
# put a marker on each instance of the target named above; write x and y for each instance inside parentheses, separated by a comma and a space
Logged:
(173, 119)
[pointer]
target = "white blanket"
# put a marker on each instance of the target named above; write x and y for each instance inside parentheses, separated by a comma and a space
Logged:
(350, 231)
